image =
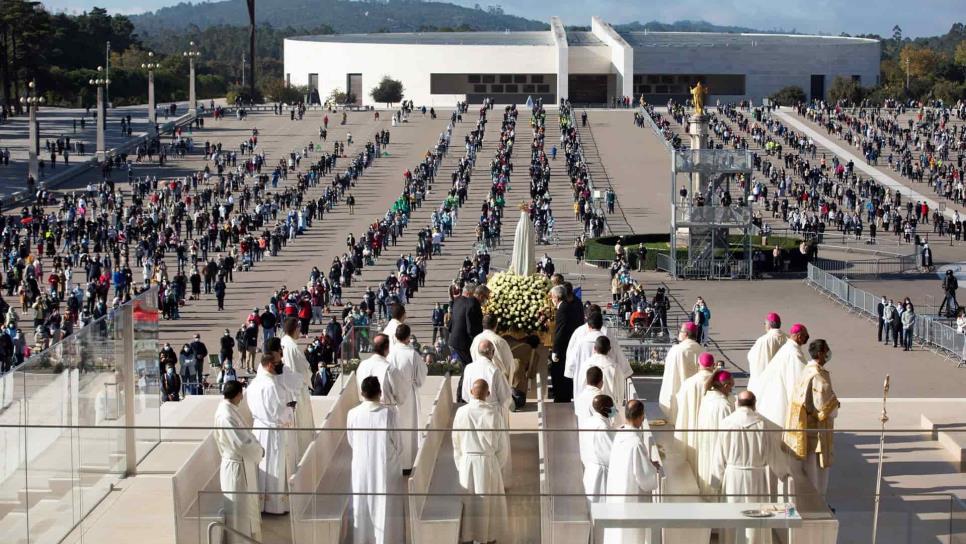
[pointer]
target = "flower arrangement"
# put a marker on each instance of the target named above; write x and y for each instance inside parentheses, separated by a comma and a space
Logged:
(521, 303)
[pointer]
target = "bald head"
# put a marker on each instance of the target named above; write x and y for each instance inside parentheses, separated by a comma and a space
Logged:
(480, 390)
(380, 344)
(634, 413)
(747, 398)
(487, 349)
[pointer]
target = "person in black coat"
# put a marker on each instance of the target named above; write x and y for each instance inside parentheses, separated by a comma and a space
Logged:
(569, 315)
(171, 384)
(466, 322)
(880, 310)
(201, 353)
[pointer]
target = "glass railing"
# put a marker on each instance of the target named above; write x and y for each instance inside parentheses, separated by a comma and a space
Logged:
(738, 216)
(712, 160)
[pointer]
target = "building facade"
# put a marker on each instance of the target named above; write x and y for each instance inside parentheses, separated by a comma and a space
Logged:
(587, 67)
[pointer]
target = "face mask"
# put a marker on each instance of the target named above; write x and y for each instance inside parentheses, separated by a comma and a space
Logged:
(828, 356)
(278, 368)
(170, 371)
(613, 412)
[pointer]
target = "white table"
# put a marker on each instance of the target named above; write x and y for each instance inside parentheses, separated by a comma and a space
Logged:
(683, 515)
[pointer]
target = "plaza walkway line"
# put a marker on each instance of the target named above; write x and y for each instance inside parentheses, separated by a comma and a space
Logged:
(860, 163)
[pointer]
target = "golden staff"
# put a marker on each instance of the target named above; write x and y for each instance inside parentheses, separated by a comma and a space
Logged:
(883, 418)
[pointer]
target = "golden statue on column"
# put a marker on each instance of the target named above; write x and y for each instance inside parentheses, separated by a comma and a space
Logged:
(698, 93)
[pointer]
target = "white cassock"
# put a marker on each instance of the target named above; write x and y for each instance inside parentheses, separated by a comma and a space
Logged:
(500, 392)
(584, 402)
(480, 454)
(393, 390)
(404, 359)
(741, 462)
(631, 476)
(775, 386)
(688, 403)
(390, 331)
(595, 448)
(267, 396)
(296, 363)
(240, 454)
(680, 364)
(764, 349)
(579, 351)
(502, 355)
(615, 378)
(377, 518)
(714, 408)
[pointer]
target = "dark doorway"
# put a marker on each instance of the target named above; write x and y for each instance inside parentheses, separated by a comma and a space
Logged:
(314, 88)
(587, 88)
(818, 87)
(353, 87)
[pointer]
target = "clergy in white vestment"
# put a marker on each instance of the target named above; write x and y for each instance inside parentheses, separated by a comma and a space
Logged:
(240, 454)
(500, 393)
(775, 386)
(481, 447)
(742, 459)
(394, 391)
(270, 402)
(398, 314)
(296, 363)
(716, 406)
(377, 509)
(615, 377)
(412, 371)
(766, 346)
(631, 474)
(680, 364)
(596, 439)
(503, 356)
(688, 403)
(584, 402)
(581, 350)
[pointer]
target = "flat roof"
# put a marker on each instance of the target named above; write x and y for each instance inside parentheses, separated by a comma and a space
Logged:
(582, 37)
(437, 38)
(707, 39)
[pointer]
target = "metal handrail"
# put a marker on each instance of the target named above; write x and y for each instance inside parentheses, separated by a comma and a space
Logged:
(221, 524)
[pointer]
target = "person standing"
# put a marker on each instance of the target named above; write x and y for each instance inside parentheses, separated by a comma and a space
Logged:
(412, 372)
(809, 430)
(680, 364)
(688, 403)
(767, 345)
(466, 321)
(171, 384)
(501, 397)
(240, 455)
(631, 474)
(377, 510)
(398, 314)
(503, 355)
(596, 440)
(880, 312)
(586, 347)
(272, 410)
(747, 447)
(716, 406)
(908, 326)
(391, 386)
(220, 288)
(775, 386)
(481, 448)
(295, 362)
(950, 285)
(564, 327)
(584, 401)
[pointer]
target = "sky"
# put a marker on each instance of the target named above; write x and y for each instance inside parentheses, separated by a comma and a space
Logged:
(915, 17)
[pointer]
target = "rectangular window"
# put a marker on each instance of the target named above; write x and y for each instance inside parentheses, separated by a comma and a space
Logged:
(512, 88)
(661, 89)
(651, 78)
(496, 88)
(489, 78)
(667, 79)
(543, 88)
(529, 88)
(479, 88)
(506, 78)
(536, 78)
(473, 78)
(520, 78)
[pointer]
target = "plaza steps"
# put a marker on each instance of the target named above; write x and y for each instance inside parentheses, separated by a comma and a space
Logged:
(617, 221)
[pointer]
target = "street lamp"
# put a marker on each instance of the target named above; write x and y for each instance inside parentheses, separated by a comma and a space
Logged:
(31, 101)
(191, 55)
(152, 108)
(100, 82)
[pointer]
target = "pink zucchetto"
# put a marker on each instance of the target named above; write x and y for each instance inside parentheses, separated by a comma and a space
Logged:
(796, 328)
(690, 327)
(773, 318)
(706, 360)
(724, 376)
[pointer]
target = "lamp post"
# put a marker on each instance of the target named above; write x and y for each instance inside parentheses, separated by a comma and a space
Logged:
(152, 108)
(191, 55)
(32, 102)
(100, 82)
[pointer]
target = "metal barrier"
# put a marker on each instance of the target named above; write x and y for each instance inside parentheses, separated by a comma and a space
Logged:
(927, 330)
(870, 267)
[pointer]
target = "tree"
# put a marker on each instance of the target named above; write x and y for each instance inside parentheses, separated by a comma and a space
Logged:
(919, 61)
(960, 55)
(789, 96)
(388, 91)
(277, 90)
(251, 46)
(845, 89)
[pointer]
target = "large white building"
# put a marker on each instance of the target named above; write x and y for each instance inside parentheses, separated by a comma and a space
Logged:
(439, 68)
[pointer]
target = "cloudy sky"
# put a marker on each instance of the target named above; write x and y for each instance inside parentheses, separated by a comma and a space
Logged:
(916, 17)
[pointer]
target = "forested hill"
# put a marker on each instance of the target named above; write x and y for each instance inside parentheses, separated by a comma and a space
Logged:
(341, 15)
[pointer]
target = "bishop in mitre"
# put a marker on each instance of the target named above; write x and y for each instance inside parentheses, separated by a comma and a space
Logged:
(688, 402)
(680, 364)
(775, 386)
(766, 346)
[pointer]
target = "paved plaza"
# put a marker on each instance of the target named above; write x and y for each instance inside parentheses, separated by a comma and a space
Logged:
(636, 164)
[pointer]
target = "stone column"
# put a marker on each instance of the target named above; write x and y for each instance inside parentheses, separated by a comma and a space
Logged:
(192, 99)
(33, 145)
(152, 107)
(101, 123)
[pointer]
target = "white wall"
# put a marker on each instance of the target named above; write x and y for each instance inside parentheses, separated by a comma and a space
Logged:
(563, 57)
(621, 54)
(409, 63)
